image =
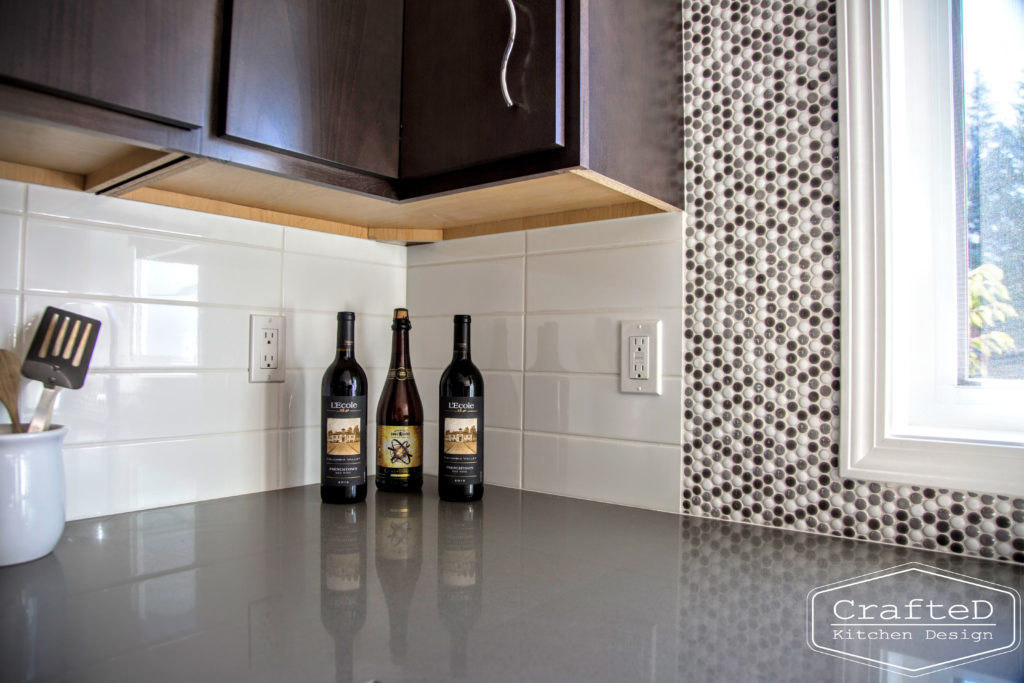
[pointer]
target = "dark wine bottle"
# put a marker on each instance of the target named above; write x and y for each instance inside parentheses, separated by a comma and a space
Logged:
(460, 425)
(459, 575)
(400, 417)
(343, 421)
(343, 581)
(399, 558)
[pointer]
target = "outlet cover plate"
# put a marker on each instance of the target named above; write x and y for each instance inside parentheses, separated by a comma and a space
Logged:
(640, 328)
(258, 325)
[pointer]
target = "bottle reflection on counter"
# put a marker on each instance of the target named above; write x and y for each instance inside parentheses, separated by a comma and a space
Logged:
(399, 558)
(459, 575)
(343, 580)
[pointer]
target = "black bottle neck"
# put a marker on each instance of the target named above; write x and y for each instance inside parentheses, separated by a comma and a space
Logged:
(400, 345)
(460, 350)
(346, 339)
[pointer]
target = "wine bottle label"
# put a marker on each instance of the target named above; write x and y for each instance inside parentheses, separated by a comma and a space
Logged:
(399, 449)
(343, 462)
(462, 453)
(401, 374)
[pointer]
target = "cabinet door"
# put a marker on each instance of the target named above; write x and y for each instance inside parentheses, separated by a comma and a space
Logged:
(147, 57)
(318, 78)
(454, 111)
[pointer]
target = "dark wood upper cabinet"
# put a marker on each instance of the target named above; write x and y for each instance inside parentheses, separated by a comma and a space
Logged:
(475, 92)
(149, 58)
(319, 79)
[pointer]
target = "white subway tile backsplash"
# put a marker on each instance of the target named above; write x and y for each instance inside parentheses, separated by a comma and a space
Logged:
(146, 335)
(48, 201)
(472, 287)
(592, 405)
(619, 472)
(319, 283)
(648, 276)
(503, 457)
(8, 321)
(12, 195)
(496, 341)
(589, 342)
(153, 405)
(660, 227)
(312, 338)
(299, 241)
(62, 257)
(486, 247)
(111, 478)
(10, 250)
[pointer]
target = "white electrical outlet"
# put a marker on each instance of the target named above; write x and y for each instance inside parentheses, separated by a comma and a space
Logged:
(640, 367)
(266, 348)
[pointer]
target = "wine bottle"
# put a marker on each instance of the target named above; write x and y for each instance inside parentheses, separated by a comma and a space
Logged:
(459, 575)
(399, 558)
(343, 421)
(460, 425)
(343, 581)
(400, 417)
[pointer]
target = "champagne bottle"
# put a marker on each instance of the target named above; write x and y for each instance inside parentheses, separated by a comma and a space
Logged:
(343, 581)
(459, 575)
(400, 417)
(343, 422)
(399, 558)
(460, 425)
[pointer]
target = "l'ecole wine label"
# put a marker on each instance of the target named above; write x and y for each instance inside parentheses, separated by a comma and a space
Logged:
(344, 457)
(399, 447)
(461, 457)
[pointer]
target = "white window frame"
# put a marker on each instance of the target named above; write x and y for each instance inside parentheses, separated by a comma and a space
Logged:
(882, 434)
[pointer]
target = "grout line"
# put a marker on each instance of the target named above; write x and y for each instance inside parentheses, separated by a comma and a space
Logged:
(19, 316)
(186, 437)
(608, 247)
(477, 259)
(607, 439)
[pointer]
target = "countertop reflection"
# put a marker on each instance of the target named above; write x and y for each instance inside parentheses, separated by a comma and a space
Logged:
(517, 587)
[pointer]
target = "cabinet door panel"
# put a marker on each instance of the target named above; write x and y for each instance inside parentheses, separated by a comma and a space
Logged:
(454, 114)
(318, 78)
(147, 57)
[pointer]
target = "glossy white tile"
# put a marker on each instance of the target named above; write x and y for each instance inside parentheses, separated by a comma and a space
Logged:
(503, 457)
(591, 405)
(318, 283)
(111, 478)
(430, 452)
(301, 241)
(8, 321)
(496, 342)
(300, 456)
(589, 342)
(312, 338)
(12, 195)
(659, 227)
(61, 257)
(494, 287)
(10, 250)
(49, 201)
(639, 475)
(144, 335)
(629, 277)
(131, 406)
(487, 246)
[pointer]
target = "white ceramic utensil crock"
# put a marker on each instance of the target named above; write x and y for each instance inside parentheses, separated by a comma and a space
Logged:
(31, 493)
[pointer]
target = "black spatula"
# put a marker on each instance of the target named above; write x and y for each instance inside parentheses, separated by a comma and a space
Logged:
(59, 358)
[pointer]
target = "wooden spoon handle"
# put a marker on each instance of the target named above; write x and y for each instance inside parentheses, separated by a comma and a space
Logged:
(12, 410)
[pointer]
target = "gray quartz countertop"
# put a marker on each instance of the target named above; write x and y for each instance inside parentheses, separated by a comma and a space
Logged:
(517, 587)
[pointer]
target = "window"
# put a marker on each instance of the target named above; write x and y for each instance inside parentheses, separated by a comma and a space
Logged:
(926, 397)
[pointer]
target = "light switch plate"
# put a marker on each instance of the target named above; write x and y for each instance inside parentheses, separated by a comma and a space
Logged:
(266, 348)
(640, 354)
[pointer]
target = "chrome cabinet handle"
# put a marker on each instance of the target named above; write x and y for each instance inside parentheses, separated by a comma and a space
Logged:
(508, 52)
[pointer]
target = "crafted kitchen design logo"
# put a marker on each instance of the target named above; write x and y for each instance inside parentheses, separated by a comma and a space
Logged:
(913, 619)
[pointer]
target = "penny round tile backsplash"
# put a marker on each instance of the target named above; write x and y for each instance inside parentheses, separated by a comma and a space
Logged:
(761, 295)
